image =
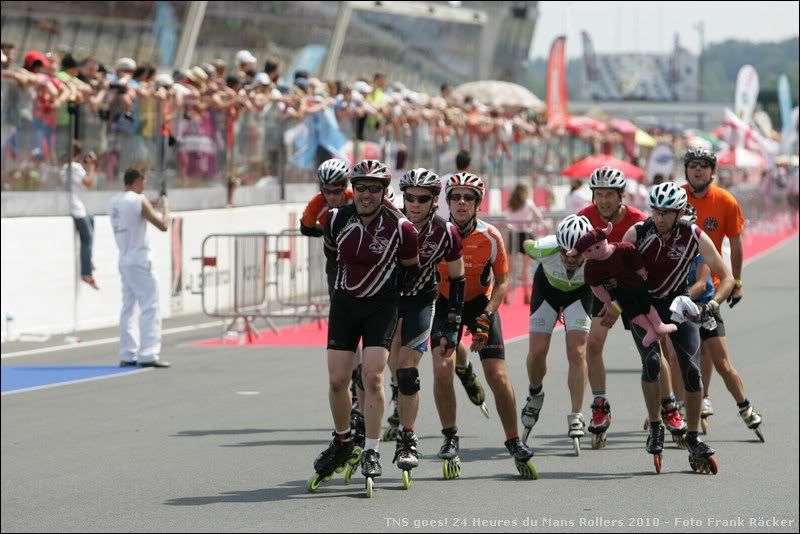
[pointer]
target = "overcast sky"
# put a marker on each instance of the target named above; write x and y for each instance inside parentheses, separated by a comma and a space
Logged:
(651, 26)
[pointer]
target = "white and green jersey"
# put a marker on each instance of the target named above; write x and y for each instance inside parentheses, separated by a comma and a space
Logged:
(547, 252)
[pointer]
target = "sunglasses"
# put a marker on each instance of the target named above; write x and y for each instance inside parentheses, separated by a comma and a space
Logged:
(371, 188)
(699, 164)
(468, 197)
(333, 190)
(422, 199)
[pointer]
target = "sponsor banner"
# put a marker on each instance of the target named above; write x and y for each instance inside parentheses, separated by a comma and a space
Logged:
(662, 160)
(557, 84)
(746, 93)
(785, 105)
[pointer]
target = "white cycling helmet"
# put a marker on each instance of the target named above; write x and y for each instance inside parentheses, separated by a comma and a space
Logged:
(607, 178)
(668, 196)
(572, 228)
(421, 177)
(333, 171)
(468, 180)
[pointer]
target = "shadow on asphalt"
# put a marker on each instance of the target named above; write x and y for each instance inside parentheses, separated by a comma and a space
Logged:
(287, 490)
(236, 431)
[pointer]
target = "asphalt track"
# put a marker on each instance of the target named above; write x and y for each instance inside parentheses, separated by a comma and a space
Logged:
(225, 440)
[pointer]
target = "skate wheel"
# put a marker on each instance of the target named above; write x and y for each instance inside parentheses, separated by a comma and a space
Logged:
(759, 434)
(598, 441)
(657, 463)
(370, 485)
(406, 479)
(576, 444)
(704, 424)
(451, 469)
(339, 469)
(485, 410)
(313, 483)
(525, 433)
(712, 464)
(527, 470)
(646, 424)
(692, 465)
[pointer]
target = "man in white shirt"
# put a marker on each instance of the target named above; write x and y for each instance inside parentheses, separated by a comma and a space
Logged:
(130, 211)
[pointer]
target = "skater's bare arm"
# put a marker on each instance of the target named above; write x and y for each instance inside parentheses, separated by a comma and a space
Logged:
(714, 261)
(701, 279)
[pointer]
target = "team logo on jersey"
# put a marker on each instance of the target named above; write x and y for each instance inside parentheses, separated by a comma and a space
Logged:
(428, 249)
(378, 245)
(676, 252)
(710, 224)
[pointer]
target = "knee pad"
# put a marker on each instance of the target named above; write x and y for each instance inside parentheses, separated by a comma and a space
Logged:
(651, 367)
(357, 378)
(692, 381)
(408, 380)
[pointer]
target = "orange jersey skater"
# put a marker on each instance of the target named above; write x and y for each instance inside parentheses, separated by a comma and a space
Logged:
(718, 215)
(484, 255)
(316, 212)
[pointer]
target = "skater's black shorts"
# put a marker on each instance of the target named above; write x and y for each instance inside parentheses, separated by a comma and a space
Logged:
(719, 331)
(495, 348)
(417, 314)
(351, 319)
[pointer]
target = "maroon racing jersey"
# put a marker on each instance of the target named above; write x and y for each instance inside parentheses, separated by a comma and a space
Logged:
(621, 265)
(667, 262)
(438, 240)
(367, 256)
(632, 216)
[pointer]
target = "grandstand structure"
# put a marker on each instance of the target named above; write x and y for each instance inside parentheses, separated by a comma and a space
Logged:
(636, 76)
(422, 53)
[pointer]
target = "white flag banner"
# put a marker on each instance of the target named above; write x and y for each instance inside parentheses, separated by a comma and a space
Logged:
(746, 93)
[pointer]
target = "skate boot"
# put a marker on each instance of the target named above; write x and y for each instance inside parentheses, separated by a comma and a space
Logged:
(406, 456)
(752, 419)
(601, 420)
(655, 444)
(371, 468)
(706, 410)
(451, 466)
(576, 425)
(392, 431)
(674, 423)
(357, 426)
(701, 456)
(522, 455)
(473, 386)
(530, 413)
(339, 456)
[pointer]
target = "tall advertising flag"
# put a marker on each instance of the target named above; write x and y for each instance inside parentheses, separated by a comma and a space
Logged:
(785, 105)
(589, 58)
(557, 84)
(746, 93)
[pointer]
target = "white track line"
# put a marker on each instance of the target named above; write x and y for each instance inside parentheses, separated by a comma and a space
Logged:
(58, 384)
(92, 343)
(201, 326)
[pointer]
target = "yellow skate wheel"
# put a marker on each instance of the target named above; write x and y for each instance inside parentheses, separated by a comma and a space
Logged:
(704, 424)
(406, 479)
(370, 485)
(313, 483)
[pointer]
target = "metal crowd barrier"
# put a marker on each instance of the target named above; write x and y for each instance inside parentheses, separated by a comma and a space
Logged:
(268, 276)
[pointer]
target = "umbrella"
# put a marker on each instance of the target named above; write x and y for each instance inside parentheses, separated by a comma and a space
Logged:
(741, 158)
(644, 139)
(579, 124)
(366, 150)
(584, 168)
(497, 93)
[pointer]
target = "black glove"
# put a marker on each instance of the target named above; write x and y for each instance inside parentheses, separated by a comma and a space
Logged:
(480, 334)
(734, 300)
